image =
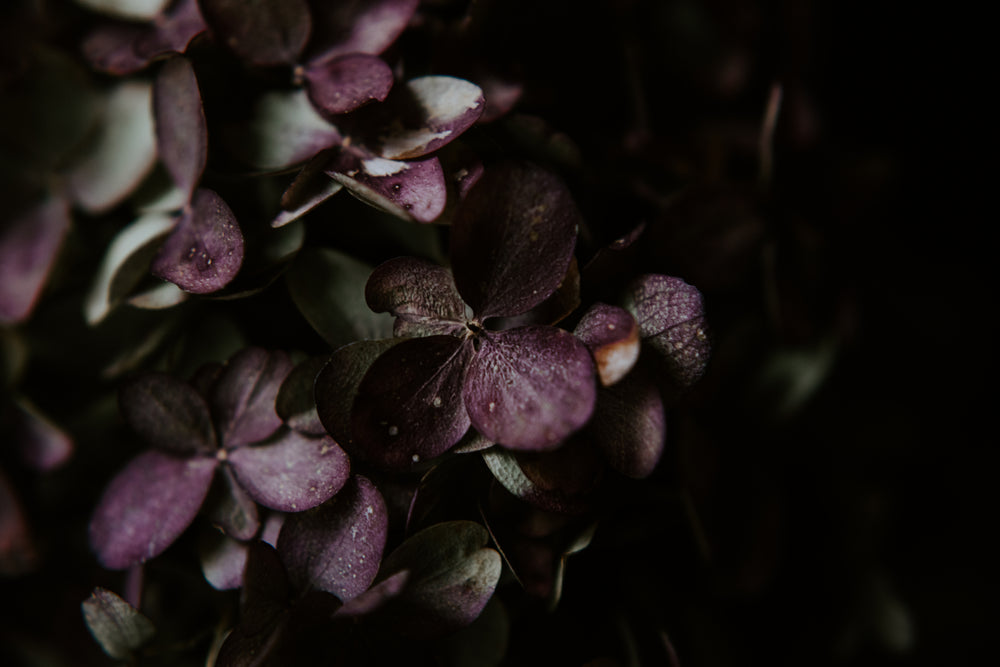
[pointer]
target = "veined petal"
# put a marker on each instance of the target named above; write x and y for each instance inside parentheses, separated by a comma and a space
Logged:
(529, 388)
(421, 296)
(343, 84)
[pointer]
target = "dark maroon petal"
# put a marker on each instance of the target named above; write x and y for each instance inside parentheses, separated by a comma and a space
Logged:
(426, 113)
(343, 84)
(293, 473)
(124, 48)
(230, 509)
(554, 309)
(328, 287)
(269, 32)
(29, 243)
(296, 401)
(409, 405)
(337, 385)
(412, 190)
(116, 625)
(243, 398)
(629, 424)
(360, 26)
(310, 188)
(121, 153)
(558, 481)
(421, 296)
(181, 132)
(512, 240)
(44, 446)
(168, 414)
(612, 335)
(530, 388)
(205, 251)
(452, 575)
(501, 96)
(147, 506)
(17, 549)
(671, 317)
(337, 546)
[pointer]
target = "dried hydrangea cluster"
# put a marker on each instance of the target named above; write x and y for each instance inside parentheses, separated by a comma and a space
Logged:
(370, 417)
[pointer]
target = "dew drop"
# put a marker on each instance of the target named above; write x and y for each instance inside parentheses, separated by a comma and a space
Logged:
(393, 430)
(208, 262)
(397, 187)
(611, 327)
(415, 458)
(437, 402)
(191, 252)
(493, 406)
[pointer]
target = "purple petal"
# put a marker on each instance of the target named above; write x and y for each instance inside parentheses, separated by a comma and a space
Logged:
(310, 188)
(554, 309)
(612, 335)
(293, 473)
(270, 32)
(243, 398)
(530, 388)
(328, 287)
(337, 385)
(452, 575)
(230, 509)
(125, 48)
(409, 406)
(421, 296)
(147, 506)
(121, 153)
(413, 190)
(427, 113)
(512, 240)
(296, 401)
(17, 549)
(168, 414)
(629, 424)
(181, 132)
(284, 130)
(116, 625)
(126, 262)
(205, 251)
(29, 244)
(337, 546)
(556, 481)
(348, 82)
(501, 96)
(360, 26)
(135, 10)
(671, 317)
(44, 446)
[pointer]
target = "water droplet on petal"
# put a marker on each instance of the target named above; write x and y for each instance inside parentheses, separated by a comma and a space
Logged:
(415, 458)
(437, 402)
(393, 430)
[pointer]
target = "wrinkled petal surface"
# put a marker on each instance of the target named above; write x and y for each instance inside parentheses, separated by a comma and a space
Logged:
(292, 474)
(529, 388)
(512, 240)
(116, 625)
(205, 251)
(671, 318)
(409, 406)
(612, 335)
(421, 296)
(337, 547)
(147, 506)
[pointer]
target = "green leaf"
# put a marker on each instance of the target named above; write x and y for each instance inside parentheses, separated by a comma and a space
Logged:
(116, 625)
